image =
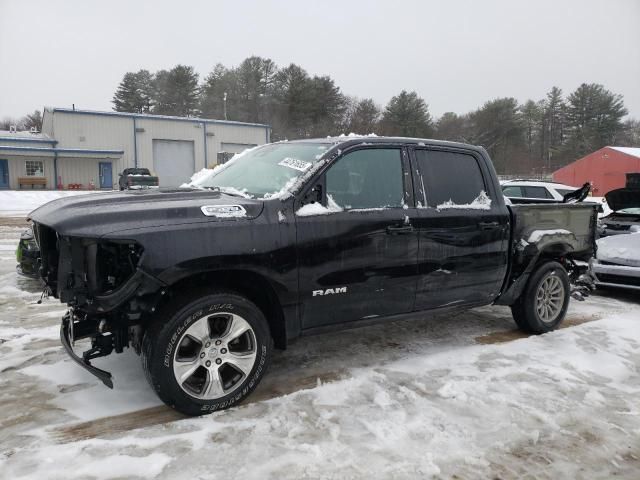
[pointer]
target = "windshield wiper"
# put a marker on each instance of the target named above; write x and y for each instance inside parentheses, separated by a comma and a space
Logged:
(216, 188)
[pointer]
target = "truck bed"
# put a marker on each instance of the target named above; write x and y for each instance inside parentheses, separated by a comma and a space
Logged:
(558, 230)
(541, 224)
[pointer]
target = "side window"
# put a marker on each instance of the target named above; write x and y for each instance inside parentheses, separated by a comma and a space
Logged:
(449, 177)
(536, 192)
(514, 192)
(370, 178)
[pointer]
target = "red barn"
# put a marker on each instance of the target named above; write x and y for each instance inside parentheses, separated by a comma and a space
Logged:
(604, 168)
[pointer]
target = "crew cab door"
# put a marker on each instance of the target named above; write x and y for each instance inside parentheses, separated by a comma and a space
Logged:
(463, 230)
(358, 258)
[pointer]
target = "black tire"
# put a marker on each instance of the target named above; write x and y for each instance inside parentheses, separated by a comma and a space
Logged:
(525, 311)
(162, 339)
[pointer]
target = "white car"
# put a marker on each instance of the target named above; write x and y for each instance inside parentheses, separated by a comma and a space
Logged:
(617, 262)
(532, 190)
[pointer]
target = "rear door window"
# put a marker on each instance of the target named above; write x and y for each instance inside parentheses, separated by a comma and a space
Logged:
(449, 177)
(536, 192)
(515, 192)
(368, 178)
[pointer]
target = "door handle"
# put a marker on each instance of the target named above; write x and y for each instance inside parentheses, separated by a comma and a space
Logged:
(399, 229)
(488, 225)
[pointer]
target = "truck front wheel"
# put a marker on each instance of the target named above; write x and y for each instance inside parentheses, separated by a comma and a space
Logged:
(544, 302)
(208, 354)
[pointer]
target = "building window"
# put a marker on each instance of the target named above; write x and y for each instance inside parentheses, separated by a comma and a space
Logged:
(35, 168)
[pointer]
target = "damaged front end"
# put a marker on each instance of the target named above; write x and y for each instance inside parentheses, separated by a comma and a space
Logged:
(107, 291)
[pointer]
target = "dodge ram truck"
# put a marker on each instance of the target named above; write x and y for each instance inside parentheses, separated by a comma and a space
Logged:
(296, 238)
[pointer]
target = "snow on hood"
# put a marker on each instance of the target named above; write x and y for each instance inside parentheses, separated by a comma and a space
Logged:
(620, 249)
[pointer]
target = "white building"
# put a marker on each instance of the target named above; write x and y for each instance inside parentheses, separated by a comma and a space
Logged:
(82, 148)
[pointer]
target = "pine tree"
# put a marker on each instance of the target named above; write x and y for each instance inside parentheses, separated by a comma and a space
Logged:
(532, 115)
(134, 93)
(554, 125)
(255, 79)
(407, 115)
(326, 106)
(292, 97)
(363, 116)
(176, 91)
(219, 82)
(498, 127)
(594, 119)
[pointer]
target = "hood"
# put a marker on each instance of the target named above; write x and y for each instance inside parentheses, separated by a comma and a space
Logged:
(620, 249)
(95, 215)
(623, 198)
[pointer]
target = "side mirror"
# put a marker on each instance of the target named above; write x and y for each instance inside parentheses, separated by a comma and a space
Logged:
(314, 195)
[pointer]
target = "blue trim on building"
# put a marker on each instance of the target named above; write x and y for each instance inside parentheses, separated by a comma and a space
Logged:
(55, 170)
(60, 150)
(159, 117)
(206, 156)
(28, 140)
(135, 144)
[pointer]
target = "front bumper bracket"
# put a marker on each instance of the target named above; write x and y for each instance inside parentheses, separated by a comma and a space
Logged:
(65, 337)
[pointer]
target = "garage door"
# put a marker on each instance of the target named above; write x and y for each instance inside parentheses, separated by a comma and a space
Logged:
(173, 161)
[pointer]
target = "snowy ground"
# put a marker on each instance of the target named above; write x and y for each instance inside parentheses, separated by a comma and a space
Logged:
(18, 203)
(458, 397)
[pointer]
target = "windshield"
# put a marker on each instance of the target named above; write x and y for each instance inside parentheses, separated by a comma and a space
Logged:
(264, 171)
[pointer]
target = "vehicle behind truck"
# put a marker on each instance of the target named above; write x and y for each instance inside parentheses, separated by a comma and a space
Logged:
(299, 238)
(136, 178)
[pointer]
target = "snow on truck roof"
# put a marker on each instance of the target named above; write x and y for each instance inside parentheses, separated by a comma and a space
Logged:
(373, 138)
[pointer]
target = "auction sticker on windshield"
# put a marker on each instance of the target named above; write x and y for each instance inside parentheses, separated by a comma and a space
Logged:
(296, 164)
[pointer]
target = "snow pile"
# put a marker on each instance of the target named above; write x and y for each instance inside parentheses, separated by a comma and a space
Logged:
(536, 235)
(204, 173)
(209, 172)
(458, 413)
(18, 203)
(311, 209)
(623, 249)
(481, 202)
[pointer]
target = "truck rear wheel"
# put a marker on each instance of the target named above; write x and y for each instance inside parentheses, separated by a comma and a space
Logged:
(544, 302)
(208, 354)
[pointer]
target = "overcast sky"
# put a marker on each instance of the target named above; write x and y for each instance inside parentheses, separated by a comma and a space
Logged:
(456, 54)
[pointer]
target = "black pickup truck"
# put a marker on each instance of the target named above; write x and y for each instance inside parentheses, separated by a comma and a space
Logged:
(295, 238)
(133, 178)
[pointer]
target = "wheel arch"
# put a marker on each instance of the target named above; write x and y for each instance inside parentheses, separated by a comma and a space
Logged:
(546, 252)
(252, 285)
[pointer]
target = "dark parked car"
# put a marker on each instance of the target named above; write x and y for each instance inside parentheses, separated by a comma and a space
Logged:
(625, 217)
(28, 255)
(134, 178)
(296, 238)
